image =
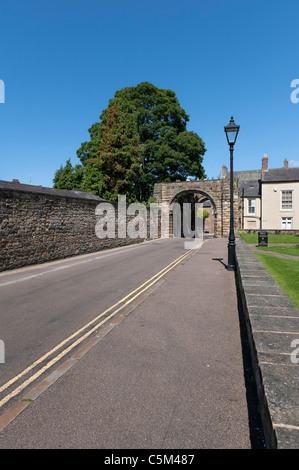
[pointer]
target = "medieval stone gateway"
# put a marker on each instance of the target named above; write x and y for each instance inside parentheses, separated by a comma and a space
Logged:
(215, 191)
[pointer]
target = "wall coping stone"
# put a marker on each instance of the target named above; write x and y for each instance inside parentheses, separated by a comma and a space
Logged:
(28, 188)
(272, 323)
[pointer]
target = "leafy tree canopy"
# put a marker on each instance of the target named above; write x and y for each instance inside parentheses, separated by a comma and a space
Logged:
(141, 139)
(69, 177)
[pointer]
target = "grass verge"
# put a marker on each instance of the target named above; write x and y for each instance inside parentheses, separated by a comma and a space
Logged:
(286, 250)
(272, 238)
(285, 272)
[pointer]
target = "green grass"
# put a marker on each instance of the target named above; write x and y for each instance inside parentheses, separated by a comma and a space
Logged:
(285, 272)
(272, 238)
(286, 250)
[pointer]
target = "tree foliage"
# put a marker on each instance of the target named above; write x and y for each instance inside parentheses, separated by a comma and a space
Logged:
(141, 139)
(118, 153)
(69, 177)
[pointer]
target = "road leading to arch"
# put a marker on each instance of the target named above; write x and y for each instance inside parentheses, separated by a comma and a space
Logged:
(49, 310)
(166, 373)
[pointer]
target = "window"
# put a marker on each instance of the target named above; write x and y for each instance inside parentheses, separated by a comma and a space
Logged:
(286, 223)
(286, 200)
(251, 206)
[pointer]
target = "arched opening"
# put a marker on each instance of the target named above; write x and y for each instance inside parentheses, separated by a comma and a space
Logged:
(193, 197)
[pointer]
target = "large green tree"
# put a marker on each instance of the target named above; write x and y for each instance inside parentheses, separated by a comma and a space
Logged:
(141, 139)
(69, 177)
(118, 156)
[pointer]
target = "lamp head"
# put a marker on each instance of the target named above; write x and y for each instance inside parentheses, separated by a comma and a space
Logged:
(231, 131)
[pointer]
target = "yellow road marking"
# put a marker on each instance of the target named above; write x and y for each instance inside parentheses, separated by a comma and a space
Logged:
(3, 387)
(154, 279)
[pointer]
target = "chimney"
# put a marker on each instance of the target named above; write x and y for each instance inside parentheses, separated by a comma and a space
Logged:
(224, 171)
(265, 163)
(285, 163)
(15, 181)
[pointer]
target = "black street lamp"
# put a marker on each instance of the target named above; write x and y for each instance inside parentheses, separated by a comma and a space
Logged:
(231, 131)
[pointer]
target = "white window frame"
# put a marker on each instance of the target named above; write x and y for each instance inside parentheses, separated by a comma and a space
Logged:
(249, 206)
(285, 221)
(284, 191)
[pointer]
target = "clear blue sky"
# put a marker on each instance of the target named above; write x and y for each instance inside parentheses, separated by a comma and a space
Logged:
(62, 60)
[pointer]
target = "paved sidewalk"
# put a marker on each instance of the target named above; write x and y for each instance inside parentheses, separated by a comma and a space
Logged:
(169, 376)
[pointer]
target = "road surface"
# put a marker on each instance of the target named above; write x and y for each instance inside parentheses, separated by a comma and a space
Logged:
(168, 375)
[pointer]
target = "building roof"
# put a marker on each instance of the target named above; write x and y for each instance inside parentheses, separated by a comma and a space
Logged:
(28, 188)
(247, 175)
(281, 174)
(250, 188)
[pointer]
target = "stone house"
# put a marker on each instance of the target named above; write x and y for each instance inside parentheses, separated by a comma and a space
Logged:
(269, 198)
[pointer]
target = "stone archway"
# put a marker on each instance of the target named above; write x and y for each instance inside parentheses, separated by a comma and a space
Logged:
(192, 197)
(216, 191)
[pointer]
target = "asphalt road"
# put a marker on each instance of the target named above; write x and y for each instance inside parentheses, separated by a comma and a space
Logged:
(169, 375)
(41, 306)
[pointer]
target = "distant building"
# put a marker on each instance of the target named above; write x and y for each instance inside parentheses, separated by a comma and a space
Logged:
(269, 197)
(209, 221)
(250, 193)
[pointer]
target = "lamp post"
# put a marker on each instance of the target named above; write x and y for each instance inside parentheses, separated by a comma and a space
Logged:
(231, 131)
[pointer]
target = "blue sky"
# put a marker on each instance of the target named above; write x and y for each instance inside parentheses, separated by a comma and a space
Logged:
(61, 62)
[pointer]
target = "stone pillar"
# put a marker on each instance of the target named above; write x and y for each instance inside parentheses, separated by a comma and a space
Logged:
(224, 171)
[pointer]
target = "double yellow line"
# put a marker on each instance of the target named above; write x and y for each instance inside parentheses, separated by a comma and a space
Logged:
(120, 304)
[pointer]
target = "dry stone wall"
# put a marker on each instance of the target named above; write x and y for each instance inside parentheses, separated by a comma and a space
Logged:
(43, 224)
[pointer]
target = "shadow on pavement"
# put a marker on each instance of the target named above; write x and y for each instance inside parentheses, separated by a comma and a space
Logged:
(220, 261)
(254, 418)
(255, 423)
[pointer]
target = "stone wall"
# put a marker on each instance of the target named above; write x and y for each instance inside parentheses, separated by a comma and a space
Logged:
(43, 224)
(272, 322)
